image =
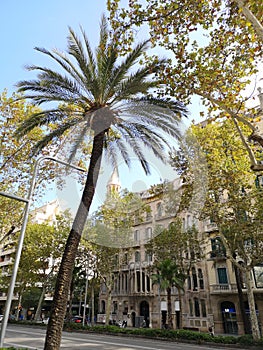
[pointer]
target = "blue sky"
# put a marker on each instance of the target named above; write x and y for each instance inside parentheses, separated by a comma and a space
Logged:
(29, 23)
(25, 24)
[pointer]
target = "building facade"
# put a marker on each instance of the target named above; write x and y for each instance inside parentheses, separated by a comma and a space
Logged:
(211, 296)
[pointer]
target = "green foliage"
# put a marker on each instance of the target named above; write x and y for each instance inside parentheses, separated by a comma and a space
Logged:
(173, 335)
(112, 223)
(181, 246)
(215, 47)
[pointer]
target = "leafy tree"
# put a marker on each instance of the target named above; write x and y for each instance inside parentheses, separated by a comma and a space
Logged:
(16, 165)
(215, 47)
(40, 259)
(233, 201)
(112, 223)
(99, 94)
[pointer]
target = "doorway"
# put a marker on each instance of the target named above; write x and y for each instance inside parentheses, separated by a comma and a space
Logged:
(145, 312)
(229, 317)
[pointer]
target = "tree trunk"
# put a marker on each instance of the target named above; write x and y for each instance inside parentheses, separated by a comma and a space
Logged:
(180, 312)
(39, 306)
(108, 307)
(252, 307)
(241, 299)
(92, 303)
(169, 308)
(19, 304)
(59, 306)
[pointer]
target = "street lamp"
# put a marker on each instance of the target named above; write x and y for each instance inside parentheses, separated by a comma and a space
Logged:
(89, 275)
(28, 201)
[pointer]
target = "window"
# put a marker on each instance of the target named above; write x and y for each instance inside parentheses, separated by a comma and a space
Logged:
(201, 279)
(136, 235)
(125, 259)
(137, 257)
(222, 275)
(189, 284)
(148, 233)
(194, 276)
(116, 260)
(188, 221)
(197, 307)
(149, 214)
(258, 274)
(159, 209)
(191, 307)
(203, 307)
(217, 248)
(148, 257)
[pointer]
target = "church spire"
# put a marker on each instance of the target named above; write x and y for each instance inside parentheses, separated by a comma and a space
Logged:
(114, 184)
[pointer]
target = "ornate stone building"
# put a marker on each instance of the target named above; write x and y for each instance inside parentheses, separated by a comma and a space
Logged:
(210, 296)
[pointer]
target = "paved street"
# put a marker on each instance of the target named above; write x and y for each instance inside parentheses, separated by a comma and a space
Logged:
(33, 338)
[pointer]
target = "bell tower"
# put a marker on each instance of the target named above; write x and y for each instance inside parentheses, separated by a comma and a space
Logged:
(114, 184)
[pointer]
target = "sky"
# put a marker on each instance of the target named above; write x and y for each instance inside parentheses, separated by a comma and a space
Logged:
(29, 23)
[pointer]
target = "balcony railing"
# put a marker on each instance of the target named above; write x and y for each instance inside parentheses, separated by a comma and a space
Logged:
(211, 227)
(224, 288)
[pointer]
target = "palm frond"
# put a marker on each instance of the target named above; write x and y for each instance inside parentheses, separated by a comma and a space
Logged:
(122, 70)
(86, 63)
(39, 119)
(55, 134)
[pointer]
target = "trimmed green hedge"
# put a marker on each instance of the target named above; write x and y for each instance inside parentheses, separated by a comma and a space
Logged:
(180, 334)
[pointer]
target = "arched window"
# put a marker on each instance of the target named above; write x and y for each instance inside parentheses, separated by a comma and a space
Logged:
(189, 284)
(136, 235)
(201, 279)
(191, 307)
(197, 307)
(148, 233)
(188, 221)
(203, 307)
(159, 209)
(194, 277)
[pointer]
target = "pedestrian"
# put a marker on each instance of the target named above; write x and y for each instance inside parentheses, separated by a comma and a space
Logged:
(211, 330)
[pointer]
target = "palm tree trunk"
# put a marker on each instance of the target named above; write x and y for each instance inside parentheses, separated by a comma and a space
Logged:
(59, 306)
(70, 301)
(169, 308)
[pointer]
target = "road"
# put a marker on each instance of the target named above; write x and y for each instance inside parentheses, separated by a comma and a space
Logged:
(33, 338)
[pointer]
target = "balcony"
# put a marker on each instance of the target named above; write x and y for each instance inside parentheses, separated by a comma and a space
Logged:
(223, 288)
(212, 226)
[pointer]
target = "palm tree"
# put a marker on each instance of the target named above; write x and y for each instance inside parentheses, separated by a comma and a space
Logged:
(101, 95)
(169, 276)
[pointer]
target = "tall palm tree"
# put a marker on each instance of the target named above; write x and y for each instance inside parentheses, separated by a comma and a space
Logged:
(169, 276)
(102, 94)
